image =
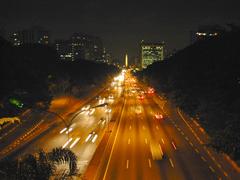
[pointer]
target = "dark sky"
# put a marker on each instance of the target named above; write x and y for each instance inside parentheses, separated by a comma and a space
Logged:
(121, 24)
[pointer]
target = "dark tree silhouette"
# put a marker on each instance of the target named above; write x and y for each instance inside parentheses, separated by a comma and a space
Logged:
(204, 81)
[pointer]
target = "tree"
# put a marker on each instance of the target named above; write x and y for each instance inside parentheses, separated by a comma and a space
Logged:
(40, 166)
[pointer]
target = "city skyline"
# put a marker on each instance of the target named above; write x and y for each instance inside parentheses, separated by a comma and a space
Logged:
(108, 90)
(122, 25)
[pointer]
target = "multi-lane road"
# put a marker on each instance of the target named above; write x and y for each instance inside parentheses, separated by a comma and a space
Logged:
(114, 141)
(185, 154)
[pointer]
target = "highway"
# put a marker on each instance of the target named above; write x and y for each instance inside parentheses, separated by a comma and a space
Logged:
(118, 140)
(83, 135)
(185, 155)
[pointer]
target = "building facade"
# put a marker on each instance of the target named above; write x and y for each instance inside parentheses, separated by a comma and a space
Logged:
(87, 47)
(151, 52)
(30, 36)
(80, 46)
(64, 50)
(205, 32)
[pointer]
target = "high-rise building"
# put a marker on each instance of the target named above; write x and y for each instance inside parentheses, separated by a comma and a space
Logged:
(107, 58)
(87, 47)
(151, 52)
(64, 49)
(80, 46)
(33, 35)
(205, 32)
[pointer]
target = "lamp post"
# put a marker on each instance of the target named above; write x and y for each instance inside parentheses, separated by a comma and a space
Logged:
(69, 123)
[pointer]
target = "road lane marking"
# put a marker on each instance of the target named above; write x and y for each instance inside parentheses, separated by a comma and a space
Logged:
(214, 160)
(191, 144)
(211, 168)
(115, 139)
(191, 129)
(203, 159)
(170, 160)
(187, 138)
(163, 141)
(197, 151)
(149, 163)
(178, 129)
(127, 165)
(129, 140)
(182, 132)
(174, 145)
(146, 141)
(157, 127)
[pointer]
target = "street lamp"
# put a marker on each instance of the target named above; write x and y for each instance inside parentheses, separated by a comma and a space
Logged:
(68, 124)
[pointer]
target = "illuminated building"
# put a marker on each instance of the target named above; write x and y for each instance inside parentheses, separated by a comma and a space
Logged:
(206, 32)
(150, 53)
(87, 47)
(80, 46)
(64, 50)
(107, 58)
(35, 35)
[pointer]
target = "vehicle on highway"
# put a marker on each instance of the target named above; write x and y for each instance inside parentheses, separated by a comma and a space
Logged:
(156, 150)
(159, 116)
(150, 91)
(98, 97)
(91, 136)
(110, 96)
(102, 100)
(85, 108)
(91, 111)
(141, 97)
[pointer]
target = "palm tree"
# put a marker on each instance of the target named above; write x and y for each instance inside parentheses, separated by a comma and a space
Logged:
(40, 166)
(62, 156)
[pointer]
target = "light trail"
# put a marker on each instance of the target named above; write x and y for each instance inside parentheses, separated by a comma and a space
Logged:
(74, 143)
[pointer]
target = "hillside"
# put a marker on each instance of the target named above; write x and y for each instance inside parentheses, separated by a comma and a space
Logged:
(204, 81)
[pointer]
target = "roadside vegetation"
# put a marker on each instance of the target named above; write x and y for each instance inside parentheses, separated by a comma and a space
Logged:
(41, 166)
(204, 81)
(32, 74)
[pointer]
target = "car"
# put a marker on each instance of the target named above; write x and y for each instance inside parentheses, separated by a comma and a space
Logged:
(85, 108)
(156, 150)
(98, 97)
(90, 136)
(141, 97)
(101, 101)
(110, 96)
(150, 91)
(91, 111)
(159, 116)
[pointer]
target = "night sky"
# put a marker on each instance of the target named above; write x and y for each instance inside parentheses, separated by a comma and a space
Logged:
(121, 24)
